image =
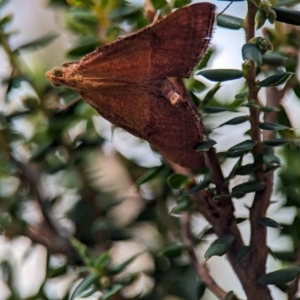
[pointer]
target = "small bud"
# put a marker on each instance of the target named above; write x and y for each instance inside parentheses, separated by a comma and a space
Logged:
(260, 18)
(272, 15)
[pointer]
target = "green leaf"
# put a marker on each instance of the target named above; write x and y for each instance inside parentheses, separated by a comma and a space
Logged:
(219, 247)
(273, 126)
(210, 94)
(217, 198)
(84, 285)
(269, 222)
(89, 292)
(197, 188)
(275, 80)
(205, 59)
(235, 121)
(243, 146)
(271, 159)
(243, 253)
(230, 22)
(249, 187)
(276, 59)
(241, 96)
(260, 17)
(184, 204)
(3, 2)
(235, 167)
(216, 109)
(180, 3)
(280, 276)
(231, 296)
(149, 175)
(111, 292)
(5, 20)
(173, 251)
(269, 108)
(205, 145)
(102, 260)
(245, 170)
(83, 252)
(119, 268)
(289, 16)
(38, 43)
(177, 181)
(277, 142)
(251, 105)
(159, 3)
(85, 16)
(220, 75)
(251, 51)
(85, 46)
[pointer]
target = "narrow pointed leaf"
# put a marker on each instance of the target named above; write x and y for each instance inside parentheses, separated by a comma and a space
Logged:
(219, 247)
(176, 181)
(210, 94)
(249, 187)
(173, 251)
(251, 52)
(119, 268)
(230, 22)
(245, 170)
(111, 292)
(216, 109)
(243, 146)
(235, 121)
(89, 292)
(102, 260)
(269, 222)
(185, 204)
(220, 197)
(273, 126)
(84, 285)
(267, 109)
(251, 105)
(271, 159)
(243, 253)
(275, 80)
(41, 42)
(260, 17)
(149, 175)
(280, 276)
(277, 142)
(205, 145)
(220, 75)
(197, 188)
(277, 59)
(241, 96)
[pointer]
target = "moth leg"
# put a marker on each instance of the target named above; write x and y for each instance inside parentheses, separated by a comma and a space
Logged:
(170, 92)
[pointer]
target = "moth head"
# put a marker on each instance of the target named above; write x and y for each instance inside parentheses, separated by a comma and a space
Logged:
(56, 76)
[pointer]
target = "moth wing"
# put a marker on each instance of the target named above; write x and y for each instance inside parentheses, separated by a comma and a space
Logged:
(169, 48)
(171, 130)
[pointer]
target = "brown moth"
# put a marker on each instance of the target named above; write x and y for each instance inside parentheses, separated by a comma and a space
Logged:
(127, 82)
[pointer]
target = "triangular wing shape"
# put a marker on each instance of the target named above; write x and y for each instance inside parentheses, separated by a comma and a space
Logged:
(173, 131)
(169, 48)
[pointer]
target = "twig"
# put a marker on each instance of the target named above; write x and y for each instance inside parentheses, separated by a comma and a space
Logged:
(201, 269)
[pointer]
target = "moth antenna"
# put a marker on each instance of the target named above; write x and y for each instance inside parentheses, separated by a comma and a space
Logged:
(219, 14)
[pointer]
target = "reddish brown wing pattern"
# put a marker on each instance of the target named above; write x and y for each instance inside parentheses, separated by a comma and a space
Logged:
(169, 48)
(172, 131)
(123, 81)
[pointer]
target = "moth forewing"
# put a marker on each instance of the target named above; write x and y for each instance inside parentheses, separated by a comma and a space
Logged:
(127, 81)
